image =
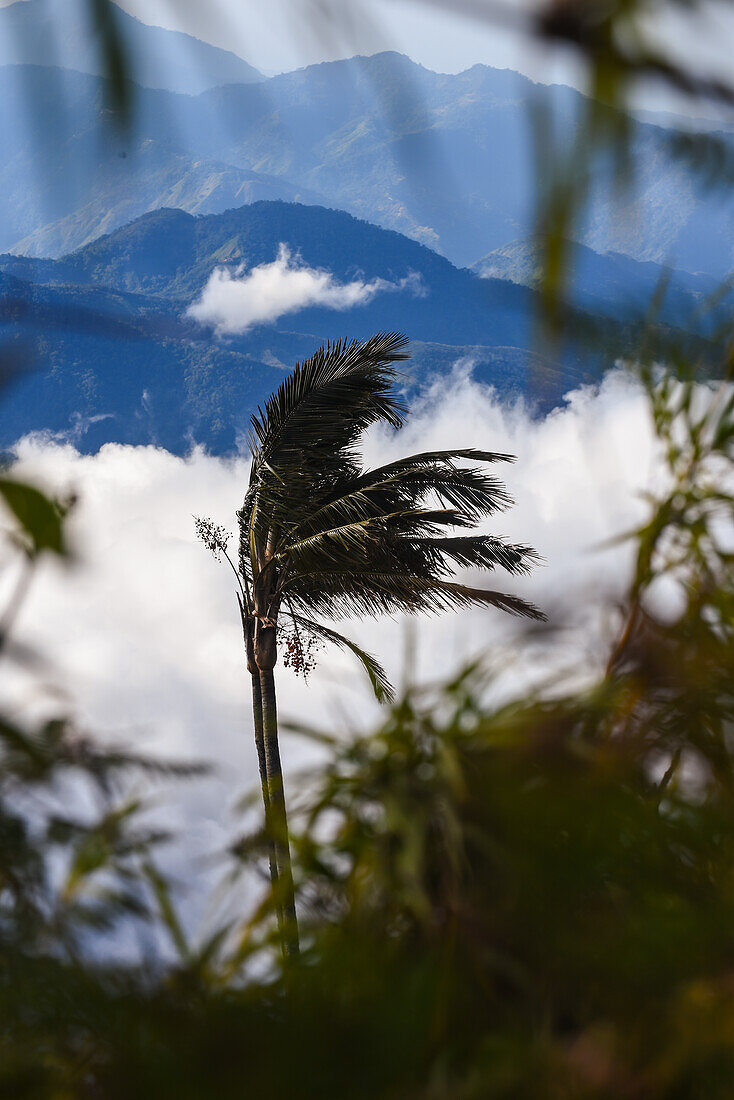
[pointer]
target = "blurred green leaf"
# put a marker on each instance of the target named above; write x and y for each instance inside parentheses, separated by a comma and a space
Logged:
(114, 55)
(40, 519)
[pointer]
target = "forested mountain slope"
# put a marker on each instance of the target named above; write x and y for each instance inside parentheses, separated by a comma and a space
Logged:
(117, 357)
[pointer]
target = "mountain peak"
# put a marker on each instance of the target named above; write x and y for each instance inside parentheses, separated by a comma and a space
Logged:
(60, 33)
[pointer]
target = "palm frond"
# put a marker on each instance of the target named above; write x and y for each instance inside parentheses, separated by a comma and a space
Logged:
(329, 399)
(349, 536)
(430, 458)
(480, 552)
(393, 489)
(339, 593)
(304, 439)
(465, 596)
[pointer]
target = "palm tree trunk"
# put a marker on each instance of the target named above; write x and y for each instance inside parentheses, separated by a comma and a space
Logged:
(257, 714)
(278, 816)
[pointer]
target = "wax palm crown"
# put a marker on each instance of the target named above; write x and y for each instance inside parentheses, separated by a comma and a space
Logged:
(320, 535)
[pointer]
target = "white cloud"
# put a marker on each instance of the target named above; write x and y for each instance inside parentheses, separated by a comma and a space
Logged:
(234, 302)
(144, 634)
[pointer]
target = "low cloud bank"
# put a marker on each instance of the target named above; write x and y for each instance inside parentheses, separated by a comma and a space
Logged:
(143, 634)
(234, 302)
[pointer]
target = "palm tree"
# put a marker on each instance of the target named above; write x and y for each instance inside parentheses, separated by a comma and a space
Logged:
(321, 537)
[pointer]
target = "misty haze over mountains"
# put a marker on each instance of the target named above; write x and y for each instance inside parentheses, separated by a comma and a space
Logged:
(103, 259)
(444, 159)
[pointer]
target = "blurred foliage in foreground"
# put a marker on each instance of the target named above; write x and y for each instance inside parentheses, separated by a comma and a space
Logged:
(530, 900)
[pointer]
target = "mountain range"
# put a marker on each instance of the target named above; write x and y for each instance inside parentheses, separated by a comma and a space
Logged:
(604, 282)
(60, 34)
(444, 159)
(119, 358)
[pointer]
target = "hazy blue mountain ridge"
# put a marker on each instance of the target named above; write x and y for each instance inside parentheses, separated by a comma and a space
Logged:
(169, 253)
(606, 282)
(59, 33)
(444, 159)
(68, 175)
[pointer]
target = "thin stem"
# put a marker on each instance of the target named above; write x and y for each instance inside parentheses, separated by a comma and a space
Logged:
(279, 816)
(669, 773)
(257, 718)
(257, 714)
(243, 590)
(623, 641)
